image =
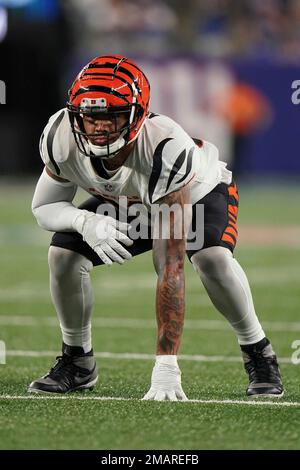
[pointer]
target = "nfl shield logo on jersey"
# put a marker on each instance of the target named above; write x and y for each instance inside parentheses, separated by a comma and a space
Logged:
(108, 187)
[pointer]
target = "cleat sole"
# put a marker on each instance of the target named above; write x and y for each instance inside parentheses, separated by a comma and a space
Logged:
(84, 387)
(266, 395)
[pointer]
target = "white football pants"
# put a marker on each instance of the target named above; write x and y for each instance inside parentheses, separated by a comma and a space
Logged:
(72, 295)
(228, 288)
(222, 277)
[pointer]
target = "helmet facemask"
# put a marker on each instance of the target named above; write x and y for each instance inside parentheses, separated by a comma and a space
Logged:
(113, 145)
(95, 93)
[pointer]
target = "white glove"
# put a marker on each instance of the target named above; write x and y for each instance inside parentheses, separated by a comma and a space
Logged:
(101, 233)
(166, 380)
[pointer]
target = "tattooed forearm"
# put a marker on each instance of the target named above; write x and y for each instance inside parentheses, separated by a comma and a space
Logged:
(170, 308)
(170, 294)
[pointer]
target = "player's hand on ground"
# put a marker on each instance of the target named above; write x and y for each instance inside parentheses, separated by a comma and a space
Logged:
(104, 234)
(165, 384)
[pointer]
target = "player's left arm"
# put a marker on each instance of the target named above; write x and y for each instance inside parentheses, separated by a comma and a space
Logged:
(168, 256)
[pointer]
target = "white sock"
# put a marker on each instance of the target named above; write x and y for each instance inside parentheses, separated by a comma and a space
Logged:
(229, 290)
(72, 295)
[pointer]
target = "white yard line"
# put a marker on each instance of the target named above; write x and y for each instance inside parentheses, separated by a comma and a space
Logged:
(117, 284)
(139, 356)
(203, 402)
(136, 323)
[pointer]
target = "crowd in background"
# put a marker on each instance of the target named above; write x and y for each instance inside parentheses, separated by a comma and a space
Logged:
(44, 43)
(215, 28)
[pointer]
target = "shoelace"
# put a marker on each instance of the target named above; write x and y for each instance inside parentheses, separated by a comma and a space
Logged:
(63, 370)
(262, 369)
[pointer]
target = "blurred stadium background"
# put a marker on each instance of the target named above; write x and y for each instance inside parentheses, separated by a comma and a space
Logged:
(224, 70)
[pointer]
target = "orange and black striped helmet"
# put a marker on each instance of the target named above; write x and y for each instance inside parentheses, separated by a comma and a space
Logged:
(109, 85)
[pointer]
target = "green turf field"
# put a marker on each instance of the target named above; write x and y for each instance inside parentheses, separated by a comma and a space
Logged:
(124, 330)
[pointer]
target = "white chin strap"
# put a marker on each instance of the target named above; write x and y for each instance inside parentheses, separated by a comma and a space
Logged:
(101, 150)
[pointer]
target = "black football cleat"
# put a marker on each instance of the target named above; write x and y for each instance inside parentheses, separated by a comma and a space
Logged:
(261, 364)
(74, 370)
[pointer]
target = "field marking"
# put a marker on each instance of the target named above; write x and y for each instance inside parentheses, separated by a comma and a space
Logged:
(136, 323)
(139, 356)
(199, 401)
(258, 276)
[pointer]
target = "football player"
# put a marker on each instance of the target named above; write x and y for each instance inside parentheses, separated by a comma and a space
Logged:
(108, 143)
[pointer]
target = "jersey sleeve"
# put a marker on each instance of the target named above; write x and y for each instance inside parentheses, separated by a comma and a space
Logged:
(174, 166)
(49, 146)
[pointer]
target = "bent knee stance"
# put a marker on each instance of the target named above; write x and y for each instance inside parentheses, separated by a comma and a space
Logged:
(64, 263)
(213, 262)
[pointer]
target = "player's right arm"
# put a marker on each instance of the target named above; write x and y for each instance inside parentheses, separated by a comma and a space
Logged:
(53, 209)
(52, 202)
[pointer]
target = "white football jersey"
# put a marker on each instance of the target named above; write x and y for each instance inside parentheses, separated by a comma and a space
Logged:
(163, 160)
